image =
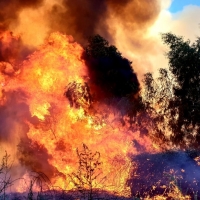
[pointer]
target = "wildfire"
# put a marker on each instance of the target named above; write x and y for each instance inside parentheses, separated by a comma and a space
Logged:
(75, 117)
(60, 128)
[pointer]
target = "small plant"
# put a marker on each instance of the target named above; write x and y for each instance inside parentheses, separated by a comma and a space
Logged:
(40, 182)
(86, 179)
(5, 178)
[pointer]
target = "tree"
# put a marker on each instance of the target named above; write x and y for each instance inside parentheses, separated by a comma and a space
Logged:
(108, 69)
(173, 99)
(112, 80)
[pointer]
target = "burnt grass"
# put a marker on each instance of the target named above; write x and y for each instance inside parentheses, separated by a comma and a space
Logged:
(160, 169)
(152, 173)
(66, 195)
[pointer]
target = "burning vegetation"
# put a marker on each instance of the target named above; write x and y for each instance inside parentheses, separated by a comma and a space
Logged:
(75, 117)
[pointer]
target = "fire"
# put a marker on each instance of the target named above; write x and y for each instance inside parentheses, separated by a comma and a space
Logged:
(61, 128)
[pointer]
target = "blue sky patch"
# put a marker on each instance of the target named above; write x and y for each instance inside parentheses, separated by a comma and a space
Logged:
(177, 5)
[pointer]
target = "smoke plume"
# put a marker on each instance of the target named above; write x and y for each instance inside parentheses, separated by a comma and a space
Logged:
(123, 23)
(10, 10)
(83, 18)
(80, 18)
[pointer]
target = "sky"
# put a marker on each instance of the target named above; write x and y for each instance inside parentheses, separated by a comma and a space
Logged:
(180, 17)
(178, 5)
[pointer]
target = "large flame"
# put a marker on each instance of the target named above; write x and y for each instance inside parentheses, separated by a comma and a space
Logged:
(60, 128)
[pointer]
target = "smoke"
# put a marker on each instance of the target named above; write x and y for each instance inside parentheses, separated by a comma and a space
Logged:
(147, 50)
(184, 23)
(123, 23)
(34, 20)
(15, 116)
(31, 153)
(12, 114)
(12, 51)
(11, 9)
(133, 26)
(83, 18)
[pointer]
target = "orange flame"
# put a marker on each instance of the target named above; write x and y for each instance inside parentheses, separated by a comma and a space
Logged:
(62, 129)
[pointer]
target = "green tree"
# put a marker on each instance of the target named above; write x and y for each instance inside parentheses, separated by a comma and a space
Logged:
(173, 99)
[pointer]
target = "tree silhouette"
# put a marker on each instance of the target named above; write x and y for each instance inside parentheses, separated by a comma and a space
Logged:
(108, 69)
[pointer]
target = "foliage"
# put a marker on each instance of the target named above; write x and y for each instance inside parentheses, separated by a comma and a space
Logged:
(173, 99)
(112, 79)
(78, 94)
(108, 69)
(156, 98)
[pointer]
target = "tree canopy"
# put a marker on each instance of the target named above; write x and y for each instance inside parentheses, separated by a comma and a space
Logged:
(173, 99)
(108, 69)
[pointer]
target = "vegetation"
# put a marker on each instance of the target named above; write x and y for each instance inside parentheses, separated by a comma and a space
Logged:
(173, 99)
(169, 104)
(108, 69)
(41, 182)
(5, 178)
(89, 171)
(86, 182)
(78, 95)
